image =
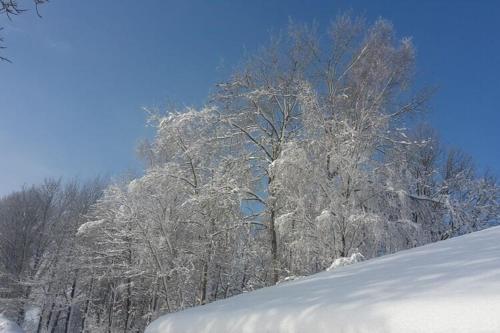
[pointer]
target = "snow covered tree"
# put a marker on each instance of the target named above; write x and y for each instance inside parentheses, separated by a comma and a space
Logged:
(176, 233)
(37, 240)
(323, 177)
(261, 106)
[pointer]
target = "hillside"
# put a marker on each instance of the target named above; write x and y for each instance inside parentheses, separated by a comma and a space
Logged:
(449, 286)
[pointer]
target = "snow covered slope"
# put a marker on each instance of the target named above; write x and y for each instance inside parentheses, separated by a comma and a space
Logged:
(8, 326)
(450, 286)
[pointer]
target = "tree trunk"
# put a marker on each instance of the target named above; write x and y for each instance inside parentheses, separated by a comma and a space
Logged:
(272, 233)
(128, 305)
(87, 305)
(111, 308)
(274, 248)
(56, 322)
(67, 325)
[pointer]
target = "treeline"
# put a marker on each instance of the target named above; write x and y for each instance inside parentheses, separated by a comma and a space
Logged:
(310, 152)
(39, 258)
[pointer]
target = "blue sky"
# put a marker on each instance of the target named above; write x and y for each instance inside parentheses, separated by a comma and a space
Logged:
(71, 100)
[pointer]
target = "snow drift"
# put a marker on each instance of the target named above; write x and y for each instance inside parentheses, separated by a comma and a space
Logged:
(449, 286)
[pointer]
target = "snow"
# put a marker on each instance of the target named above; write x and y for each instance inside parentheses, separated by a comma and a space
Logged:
(324, 216)
(344, 261)
(87, 226)
(8, 326)
(289, 278)
(449, 286)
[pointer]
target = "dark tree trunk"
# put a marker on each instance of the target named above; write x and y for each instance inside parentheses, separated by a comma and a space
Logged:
(87, 305)
(67, 324)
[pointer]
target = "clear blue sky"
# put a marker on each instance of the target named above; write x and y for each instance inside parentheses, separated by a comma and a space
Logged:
(71, 100)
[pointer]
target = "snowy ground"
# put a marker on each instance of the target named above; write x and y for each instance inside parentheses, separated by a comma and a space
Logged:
(450, 286)
(8, 326)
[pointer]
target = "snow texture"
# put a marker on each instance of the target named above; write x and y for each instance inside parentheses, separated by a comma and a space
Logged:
(344, 261)
(87, 226)
(449, 286)
(8, 326)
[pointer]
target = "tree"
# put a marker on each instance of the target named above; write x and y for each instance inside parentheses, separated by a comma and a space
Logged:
(326, 112)
(37, 266)
(261, 105)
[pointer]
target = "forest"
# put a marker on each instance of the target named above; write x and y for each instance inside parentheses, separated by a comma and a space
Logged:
(316, 149)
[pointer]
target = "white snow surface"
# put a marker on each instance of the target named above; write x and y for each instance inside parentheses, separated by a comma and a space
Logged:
(449, 286)
(8, 326)
(344, 261)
